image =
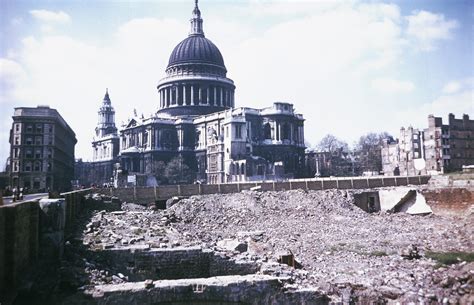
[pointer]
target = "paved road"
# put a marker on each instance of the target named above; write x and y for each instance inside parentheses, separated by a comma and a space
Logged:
(8, 199)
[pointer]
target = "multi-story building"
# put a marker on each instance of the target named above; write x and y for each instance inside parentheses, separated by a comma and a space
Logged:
(437, 149)
(197, 121)
(42, 150)
(449, 147)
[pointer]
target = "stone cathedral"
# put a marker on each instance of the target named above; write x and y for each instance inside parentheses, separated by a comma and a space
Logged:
(198, 122)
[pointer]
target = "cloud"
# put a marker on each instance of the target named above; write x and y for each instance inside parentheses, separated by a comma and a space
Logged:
(388, 85)
(427, 29)
(451, 87)
(50, 16)
(456, 85)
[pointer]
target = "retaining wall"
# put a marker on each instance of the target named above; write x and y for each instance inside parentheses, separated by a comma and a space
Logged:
(29, 232)
(140, 264)
(146, 195)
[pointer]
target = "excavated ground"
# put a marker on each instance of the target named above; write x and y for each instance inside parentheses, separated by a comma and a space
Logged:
(345, 252)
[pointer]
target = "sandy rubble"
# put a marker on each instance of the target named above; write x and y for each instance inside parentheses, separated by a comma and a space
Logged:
(344, 251)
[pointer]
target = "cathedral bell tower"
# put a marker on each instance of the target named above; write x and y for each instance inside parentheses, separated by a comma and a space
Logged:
(106, 122)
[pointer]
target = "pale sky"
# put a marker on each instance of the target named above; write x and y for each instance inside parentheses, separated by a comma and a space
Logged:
(349, 67)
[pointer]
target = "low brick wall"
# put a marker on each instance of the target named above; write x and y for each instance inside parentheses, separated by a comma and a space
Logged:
(145, 195)
(24, 229)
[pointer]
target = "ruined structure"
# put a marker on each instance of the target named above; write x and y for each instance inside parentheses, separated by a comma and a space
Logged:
(436, 149)
(42, 150)
(197, 123)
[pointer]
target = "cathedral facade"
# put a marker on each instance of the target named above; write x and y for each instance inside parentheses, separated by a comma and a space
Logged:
(198, 124)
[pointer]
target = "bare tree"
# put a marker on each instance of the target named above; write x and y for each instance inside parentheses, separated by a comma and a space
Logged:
(332, 144)
(368, 151)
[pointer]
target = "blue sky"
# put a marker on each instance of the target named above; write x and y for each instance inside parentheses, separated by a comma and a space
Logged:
(350, 67)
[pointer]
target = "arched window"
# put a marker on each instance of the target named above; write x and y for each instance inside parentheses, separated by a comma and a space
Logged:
(267, 131)
(237, 169)
(242, 169)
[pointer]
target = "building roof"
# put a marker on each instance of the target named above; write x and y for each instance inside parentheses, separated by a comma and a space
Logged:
(196, 49)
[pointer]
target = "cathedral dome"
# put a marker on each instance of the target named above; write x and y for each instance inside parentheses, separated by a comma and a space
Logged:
(196, 80)
(196, 49)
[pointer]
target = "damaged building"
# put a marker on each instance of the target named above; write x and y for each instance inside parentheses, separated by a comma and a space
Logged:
(438, 149)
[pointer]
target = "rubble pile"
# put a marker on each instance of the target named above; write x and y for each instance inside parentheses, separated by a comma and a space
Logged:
(319, 239)
(341, 248)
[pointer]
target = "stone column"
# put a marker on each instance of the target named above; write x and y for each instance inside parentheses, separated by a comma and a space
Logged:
(148, 144)
(207, 96)
(184, 94)
(200, 94)
(221, 100)
(192, 100)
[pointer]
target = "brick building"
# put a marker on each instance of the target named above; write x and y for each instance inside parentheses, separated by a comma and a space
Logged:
(41, 150)
(437, 149)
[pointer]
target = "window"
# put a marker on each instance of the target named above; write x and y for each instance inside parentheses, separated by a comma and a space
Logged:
(50, 128)
(227, 132)
(39, 128)
(16, 166)
(29, 153)
(38, 141)
(267, 131)
(37, 167)
(29, 128)
(17, 140)
(29, 140)
(238, 131)
(242, 169)
(50, 153)
(38, 153)
(28, 166)
(17, 127)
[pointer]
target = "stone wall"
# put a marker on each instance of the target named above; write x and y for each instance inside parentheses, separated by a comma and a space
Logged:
(30, 232)
(139, 263)
(145, 195)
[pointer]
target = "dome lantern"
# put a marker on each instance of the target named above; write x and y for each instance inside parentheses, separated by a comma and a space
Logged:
(196, 21)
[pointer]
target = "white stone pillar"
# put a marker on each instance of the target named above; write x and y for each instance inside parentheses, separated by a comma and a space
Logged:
(207, 96)
(200, 94)
(221, 100)
(178, 94)
(192, 100)
(184, 94)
